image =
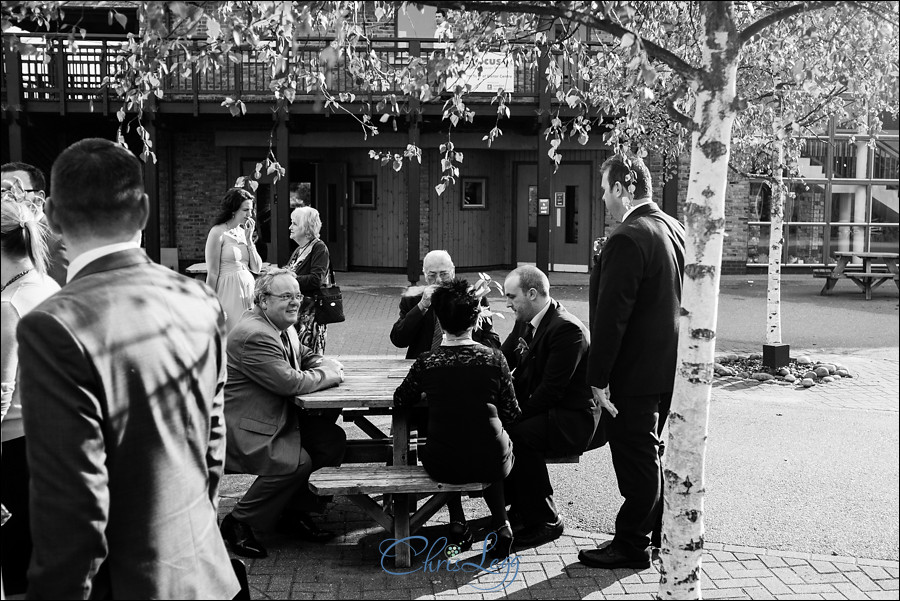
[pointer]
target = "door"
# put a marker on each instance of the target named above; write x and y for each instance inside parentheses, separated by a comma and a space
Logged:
(331, 201)
(570, 198)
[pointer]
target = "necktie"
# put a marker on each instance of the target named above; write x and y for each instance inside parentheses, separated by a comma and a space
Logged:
(288, 349)
(438, 336)
(529, 333)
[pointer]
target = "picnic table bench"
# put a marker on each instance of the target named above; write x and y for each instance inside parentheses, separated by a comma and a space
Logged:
(359, 483)
(866, 276)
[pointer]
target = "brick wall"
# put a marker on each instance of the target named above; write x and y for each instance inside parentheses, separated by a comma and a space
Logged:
(737, 212)
(198, 172)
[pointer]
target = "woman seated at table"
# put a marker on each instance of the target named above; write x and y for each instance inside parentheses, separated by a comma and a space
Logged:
(470, 398)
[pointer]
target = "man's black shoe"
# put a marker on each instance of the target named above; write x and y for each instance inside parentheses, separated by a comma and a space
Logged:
(611, 556)
(532, 536)
(301, 525)
(515, 520)
(239, 538)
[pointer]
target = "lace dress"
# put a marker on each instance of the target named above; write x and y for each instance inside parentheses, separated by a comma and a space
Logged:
(235, 284)
(470, 398)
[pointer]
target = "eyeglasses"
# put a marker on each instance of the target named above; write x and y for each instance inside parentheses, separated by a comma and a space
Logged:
(287, 296)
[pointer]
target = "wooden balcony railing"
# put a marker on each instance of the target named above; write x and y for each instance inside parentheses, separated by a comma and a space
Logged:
(60, 73)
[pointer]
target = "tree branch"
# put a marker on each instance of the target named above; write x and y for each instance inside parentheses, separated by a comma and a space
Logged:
(600, 23)
(677, 115)
(780, 15)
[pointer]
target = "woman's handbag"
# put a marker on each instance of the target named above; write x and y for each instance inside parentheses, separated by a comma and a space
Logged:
(329, 302)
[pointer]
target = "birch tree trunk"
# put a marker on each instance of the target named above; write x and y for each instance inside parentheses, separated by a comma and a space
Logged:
(684, 469)
(776, 242)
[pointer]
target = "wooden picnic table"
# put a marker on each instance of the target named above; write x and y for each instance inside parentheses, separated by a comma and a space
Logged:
(868, 279)
(369, 384)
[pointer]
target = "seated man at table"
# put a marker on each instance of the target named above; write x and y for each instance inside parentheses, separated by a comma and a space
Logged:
(267, 433)
(548, 351)
(417, 330)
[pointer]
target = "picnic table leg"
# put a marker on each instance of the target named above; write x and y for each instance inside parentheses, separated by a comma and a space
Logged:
(829, 284)
(836, 274)
(401, 529)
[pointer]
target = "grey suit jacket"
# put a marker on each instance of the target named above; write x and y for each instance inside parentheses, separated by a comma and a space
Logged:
(262, 417)
(122, 375)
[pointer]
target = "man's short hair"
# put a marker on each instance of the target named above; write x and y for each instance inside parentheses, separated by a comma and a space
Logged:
(624, 169)
(98, 188)
(38, 181)
(435, 256)
(532, 277)
(264, 282)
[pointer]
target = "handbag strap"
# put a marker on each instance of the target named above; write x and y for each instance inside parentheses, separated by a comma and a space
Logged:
(329, 274)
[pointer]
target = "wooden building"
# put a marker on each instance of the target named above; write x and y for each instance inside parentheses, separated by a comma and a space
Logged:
(375, 218)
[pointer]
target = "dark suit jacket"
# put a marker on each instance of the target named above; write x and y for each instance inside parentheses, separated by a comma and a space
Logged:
(416, 330)
(260, 410)
(122, 375)
(637, 306)
(551, 375)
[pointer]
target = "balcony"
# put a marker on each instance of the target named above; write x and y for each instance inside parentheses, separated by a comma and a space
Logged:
(70, 78)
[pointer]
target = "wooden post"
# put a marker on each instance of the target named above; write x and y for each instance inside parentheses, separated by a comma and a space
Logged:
(544, 165)
(13, 86)
(62, 81)
(413, 187)
(151, 188)
(282, 210)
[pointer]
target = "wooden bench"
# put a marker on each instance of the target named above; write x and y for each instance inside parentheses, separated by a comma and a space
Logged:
(358, 482)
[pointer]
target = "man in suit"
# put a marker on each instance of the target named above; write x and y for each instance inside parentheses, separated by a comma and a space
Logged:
(417, 330)
(268, 434)
(34, 184)
(122, 375)
(547, 351)
(631, 367)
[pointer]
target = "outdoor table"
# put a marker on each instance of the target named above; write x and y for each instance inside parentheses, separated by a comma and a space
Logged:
(867, 280)
(369, 383)
(198, 270)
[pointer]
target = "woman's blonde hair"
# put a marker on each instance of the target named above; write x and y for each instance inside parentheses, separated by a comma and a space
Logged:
(21, 234)
(309, 220)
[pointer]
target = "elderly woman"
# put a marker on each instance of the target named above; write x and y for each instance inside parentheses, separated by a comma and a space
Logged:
(470, 398)
(24, 284)
(311, 264)
(231, 256)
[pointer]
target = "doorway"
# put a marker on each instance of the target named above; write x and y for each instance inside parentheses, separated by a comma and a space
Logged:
(570, 216)
(323, 186)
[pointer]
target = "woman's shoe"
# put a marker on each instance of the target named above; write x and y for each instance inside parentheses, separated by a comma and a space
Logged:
(502, 545)
(460, 535)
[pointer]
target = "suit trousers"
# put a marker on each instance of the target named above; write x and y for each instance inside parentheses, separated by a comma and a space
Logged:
(635, 447)
(16, 548)
(528, 486)
(268, 497)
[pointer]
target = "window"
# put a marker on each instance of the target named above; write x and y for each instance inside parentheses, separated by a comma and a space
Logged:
(473, 193)
(363, 193)
(847, 201)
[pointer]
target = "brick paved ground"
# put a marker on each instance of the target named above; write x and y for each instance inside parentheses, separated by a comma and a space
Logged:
(350, 567)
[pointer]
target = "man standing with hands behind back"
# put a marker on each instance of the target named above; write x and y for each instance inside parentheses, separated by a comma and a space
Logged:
(631, 367)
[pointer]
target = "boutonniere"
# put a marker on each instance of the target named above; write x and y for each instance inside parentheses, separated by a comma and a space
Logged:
(522, 348)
